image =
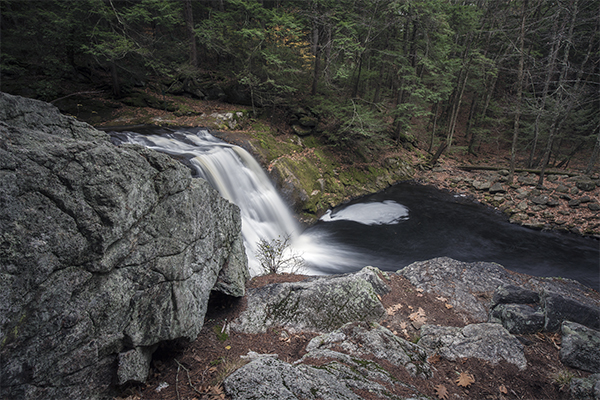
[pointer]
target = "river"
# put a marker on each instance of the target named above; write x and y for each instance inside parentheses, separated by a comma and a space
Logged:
(405, 223)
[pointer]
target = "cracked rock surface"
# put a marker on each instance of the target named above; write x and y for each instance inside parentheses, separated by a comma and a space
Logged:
(105, 252)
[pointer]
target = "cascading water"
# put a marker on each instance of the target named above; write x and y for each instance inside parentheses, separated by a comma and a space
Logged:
(390, 229)
(236, 175)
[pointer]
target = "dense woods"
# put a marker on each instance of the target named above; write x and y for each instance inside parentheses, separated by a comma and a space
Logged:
(520, 73)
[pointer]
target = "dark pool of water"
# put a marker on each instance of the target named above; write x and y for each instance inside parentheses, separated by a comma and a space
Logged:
(434, 223)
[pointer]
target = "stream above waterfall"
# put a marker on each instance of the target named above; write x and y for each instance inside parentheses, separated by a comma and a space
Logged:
(405, 223)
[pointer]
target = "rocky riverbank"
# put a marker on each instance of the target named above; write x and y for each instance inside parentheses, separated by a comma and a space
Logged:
(567, 202)
(438, 329)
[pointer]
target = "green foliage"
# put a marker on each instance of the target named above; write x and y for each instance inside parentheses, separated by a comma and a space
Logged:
(376, 66)
(221, 333)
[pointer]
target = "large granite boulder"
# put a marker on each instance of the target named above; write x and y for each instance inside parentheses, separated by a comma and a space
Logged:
(105, 252)
(318, 304)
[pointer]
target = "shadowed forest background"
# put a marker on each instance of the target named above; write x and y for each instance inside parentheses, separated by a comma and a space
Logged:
(522, 76)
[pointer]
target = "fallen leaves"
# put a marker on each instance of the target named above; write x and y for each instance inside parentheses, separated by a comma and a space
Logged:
(465, 380)
(391, 310)
(441, 392)
(418, 318)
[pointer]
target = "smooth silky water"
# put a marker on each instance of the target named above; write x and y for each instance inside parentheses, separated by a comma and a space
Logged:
(391, 229)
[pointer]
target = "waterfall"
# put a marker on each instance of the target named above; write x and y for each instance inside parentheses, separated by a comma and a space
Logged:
(238, 178)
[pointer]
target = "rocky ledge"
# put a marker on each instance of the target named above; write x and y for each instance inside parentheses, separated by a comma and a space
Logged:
(367, 350)
(566, 202)
(105, 253)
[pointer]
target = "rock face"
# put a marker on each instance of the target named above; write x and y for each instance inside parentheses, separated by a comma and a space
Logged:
(490, 342)
(580, 347)
(318, 304)
(488, 292)
(104, 252)
(327, 374)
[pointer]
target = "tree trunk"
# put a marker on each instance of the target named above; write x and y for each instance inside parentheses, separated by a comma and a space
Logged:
(559, 118)
(189, 23)
(115, 80)
(317, 53)
(594, 156)
(549, 74)
(513, 148)
(435, 118)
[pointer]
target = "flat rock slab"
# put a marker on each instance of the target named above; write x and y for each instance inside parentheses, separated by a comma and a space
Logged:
(336, 365)
(362, 339)
(490, 342)
(319, 304)
(468, 286)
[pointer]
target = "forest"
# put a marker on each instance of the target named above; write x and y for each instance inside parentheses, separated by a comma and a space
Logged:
(376, 73)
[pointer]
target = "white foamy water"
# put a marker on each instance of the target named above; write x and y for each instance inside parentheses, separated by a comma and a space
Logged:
(387, 212)
(238, 178)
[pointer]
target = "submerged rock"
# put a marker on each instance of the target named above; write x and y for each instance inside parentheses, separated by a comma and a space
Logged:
(105, 252)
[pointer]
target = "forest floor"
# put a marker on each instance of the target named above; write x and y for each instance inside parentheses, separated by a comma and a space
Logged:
(197, 370)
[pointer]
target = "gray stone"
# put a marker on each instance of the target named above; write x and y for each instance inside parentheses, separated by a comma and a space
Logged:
(520, 319)
(352, 366)
(585, 388)
(585, 199)
(487, 341)
(553, 202)
(361, 339)
(522, 194)
(522, 206)
(134, 365)
(527, 180)
(562, 188)
(464, 284)
(574, 203)
(541, 199)
(580, 347)
(497, 188)
(594, 206)
(319, 304)
(104, 249)
(507, 294)
(337, 377)
(559, 308)
(479, 185)
(268, 378)
(587, 185)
